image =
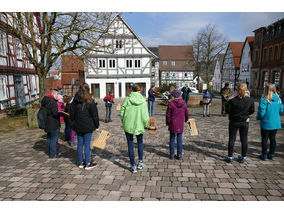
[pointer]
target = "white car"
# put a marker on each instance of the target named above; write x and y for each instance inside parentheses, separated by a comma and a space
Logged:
(193, 90)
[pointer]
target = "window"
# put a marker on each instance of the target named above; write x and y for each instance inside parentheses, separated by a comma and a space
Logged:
(3, 88)
(167, 74)
(282, 51)
(19, 49)
(265, 55)
(118, 44)
(264, 78)
(137, 63)
(185, 74)
(165, 63)
(33, 85)
(173, 63)
(128, 63)
(275, 52)
(276, 77)
(3, 44)
(112, 63)
(153, 63)
(102, 63)
(270, 54)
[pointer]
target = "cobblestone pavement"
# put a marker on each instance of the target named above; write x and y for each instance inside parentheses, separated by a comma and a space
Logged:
(26, 173)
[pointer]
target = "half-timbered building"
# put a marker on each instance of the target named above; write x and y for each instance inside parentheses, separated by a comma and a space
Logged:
(246, 62)
(231, 64)
(19, 83)
(216, 81)
(176, 64)
(129, 62)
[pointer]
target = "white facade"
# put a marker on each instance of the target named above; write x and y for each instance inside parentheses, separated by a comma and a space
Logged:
(228, 69)
(179, 77)
(246, 65)
(217, 84)
(125, 61)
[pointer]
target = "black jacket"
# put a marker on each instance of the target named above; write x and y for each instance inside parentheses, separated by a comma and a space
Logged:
(185, 91)
(84, 118)
(239, 109)
(52, 122)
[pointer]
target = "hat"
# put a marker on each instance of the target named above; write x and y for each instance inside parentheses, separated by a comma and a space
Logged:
(175, 93)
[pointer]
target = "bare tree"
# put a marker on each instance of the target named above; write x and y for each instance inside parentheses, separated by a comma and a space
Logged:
(207, 44)
(46, 36)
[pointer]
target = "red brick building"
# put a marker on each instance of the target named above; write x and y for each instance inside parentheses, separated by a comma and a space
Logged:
(268, 56)
(72, 73)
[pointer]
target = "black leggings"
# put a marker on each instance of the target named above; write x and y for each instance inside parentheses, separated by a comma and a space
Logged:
(233, 129)
(265, 134)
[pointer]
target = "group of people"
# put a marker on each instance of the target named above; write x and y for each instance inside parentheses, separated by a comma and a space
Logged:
(135, 113)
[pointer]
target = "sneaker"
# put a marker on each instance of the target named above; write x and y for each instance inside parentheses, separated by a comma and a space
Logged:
(133, 169)
(241, 159)
(90, 166)
(81, 165)
(263, 157)
(208, 115)
(59, 142)
(141, 165)
(271, 156)
(54, 157)
(172, 156)
(178, 157)
(229, 159)
(203, 115)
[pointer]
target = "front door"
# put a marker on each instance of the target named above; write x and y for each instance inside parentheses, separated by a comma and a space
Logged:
(20, 91)
(109, 88)
(95, 90)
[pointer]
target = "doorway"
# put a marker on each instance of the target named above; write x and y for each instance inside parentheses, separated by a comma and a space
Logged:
(20, 91)
(109, 88)
(95, 90)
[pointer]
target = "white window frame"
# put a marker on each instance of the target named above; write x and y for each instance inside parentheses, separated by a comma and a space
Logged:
(128, 63)
(3, 44)
(118, 44)
(165, 63)
(102, 63)
(173, 63)
(137, 63)
(112, 63)
(3, 88)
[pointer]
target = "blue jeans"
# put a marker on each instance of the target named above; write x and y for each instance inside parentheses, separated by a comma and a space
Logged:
(84, 140)
(172, 143)
(51, 142)
(151, 105)
(186, 98)
(67, 132)
(130, 143)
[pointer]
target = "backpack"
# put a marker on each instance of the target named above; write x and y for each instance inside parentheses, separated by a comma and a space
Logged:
(42, 117)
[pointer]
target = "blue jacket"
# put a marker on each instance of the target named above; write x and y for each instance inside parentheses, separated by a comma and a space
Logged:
(269, 113)
(207, 97)
(151, 95)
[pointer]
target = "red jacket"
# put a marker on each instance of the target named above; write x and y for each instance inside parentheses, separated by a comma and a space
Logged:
(108, 100)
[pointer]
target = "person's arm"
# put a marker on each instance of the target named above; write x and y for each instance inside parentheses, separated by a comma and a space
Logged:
(251, 109)
(228, 107)
(122, 109)
(95, 115)
(186, 114)
(262, 108)
(54, 109)
(280, 107)
(72, 111)
(145, 115)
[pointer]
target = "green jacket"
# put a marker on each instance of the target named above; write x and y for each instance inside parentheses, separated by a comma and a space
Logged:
(134, 114)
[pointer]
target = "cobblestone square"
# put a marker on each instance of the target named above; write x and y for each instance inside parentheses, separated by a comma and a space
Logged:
(26, 172)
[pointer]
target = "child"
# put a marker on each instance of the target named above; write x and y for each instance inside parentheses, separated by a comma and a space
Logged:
(207, 99)
(176, 115)
(269, 111)
(61, 108)
(108, 103)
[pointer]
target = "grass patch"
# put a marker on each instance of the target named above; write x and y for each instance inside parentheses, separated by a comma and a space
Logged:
(9, 124)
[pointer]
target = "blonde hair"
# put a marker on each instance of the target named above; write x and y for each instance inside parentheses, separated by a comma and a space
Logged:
(242, 89)
(268, 92)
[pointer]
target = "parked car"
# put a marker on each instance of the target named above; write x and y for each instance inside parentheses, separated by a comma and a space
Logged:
(193, 90)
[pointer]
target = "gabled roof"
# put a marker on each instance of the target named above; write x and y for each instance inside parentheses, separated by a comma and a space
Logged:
(118, 16)
(250, 40)
(175, 52)
(236, 48)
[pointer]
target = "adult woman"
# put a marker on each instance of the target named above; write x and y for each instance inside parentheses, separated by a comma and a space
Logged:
(239, 108)
(269, 110)
(151, 100)
(134, 116)
(84, 120)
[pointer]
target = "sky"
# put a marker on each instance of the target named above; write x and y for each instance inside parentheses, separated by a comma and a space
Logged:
(178, 28)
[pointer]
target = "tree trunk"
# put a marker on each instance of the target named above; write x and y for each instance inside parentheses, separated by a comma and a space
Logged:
(42, 85)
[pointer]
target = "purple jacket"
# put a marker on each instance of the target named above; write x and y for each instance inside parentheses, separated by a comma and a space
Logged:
(176, 115)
